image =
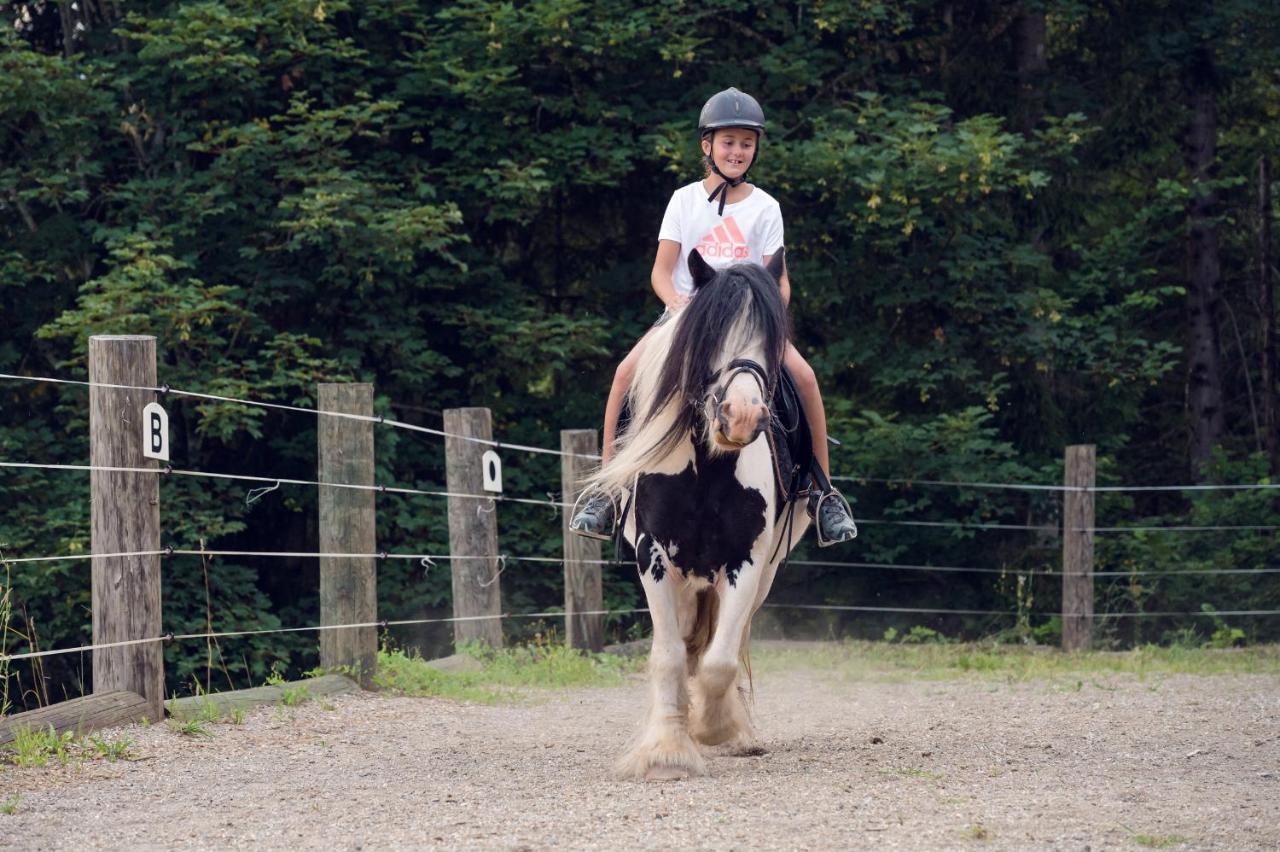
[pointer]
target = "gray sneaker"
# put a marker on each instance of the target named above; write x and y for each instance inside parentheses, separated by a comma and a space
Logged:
(834, 519)
(596, 518)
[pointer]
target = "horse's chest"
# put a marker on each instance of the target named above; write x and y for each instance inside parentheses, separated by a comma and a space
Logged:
(705, 521)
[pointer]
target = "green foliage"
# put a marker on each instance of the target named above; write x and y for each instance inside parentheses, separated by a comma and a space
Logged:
(458, 202)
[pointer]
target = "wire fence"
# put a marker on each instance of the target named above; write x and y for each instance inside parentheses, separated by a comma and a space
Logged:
(388, 623)
(267, 484)
(558, 504)
(278, 406)
(429, 560)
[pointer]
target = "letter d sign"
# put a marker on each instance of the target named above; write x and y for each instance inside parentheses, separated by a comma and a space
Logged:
(155, 432)
(492, 472)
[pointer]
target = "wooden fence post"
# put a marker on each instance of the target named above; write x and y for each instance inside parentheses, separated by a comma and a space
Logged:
(125, 518)
(1077, 547)
(348, 584)
(473, 529)
(582, 586)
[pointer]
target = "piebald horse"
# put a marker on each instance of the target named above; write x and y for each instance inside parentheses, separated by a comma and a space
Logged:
(695, 477)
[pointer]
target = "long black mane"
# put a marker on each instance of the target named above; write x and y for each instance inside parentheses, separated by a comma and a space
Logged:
(705, 325)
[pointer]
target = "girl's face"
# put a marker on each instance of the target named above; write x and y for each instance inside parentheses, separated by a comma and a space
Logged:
(732, 150)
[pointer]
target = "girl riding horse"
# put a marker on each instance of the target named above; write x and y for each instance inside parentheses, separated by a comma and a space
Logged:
(726, 220)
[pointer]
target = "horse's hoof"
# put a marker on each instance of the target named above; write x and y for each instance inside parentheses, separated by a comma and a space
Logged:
(666, 773)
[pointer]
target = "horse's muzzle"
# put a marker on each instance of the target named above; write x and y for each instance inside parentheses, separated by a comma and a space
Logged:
(738, 424)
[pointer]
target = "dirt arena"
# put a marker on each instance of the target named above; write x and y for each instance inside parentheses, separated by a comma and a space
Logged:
(1096, 761)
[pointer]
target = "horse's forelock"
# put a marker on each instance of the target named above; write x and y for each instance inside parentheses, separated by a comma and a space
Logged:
(741, 301)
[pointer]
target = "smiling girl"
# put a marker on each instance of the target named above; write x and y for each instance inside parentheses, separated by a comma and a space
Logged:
(727, 221)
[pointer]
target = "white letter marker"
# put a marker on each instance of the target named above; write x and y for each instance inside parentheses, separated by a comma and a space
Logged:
(492, 472)
(155, 432)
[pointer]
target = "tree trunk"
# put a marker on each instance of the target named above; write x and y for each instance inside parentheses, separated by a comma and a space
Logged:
(1267, 299)
(1204, 379)
(1028, 46)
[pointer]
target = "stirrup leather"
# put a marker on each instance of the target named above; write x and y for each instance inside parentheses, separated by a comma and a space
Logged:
(816, 501)
(578, 508)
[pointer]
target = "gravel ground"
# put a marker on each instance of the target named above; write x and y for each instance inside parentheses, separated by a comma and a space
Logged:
(1116, 762)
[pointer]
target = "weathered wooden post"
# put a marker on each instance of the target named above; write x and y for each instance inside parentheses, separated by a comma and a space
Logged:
(125, 518)
(582, 589)
(1077, 547)
(348, 584)
(473, 529)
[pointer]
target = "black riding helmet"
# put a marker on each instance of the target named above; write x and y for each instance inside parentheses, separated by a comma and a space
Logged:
(723, 110)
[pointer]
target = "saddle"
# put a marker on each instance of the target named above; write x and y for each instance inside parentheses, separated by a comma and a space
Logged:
(791, 442)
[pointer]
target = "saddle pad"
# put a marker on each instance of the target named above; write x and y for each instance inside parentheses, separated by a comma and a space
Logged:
(790, 439)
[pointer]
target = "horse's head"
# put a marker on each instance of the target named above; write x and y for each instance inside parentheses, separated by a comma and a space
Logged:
(708, 372)
(740, 309)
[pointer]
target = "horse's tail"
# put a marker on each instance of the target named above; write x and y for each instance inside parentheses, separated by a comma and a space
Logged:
(704, 627)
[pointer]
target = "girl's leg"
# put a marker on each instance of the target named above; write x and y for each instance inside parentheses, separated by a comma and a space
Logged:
(811, 396)
(596, 517)
(834, 520)
(617, 391)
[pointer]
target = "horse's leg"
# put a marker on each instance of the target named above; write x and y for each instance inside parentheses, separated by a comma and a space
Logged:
(720, 714)
(663, 750)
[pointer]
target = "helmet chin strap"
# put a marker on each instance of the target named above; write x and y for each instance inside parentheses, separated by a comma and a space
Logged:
(723, 189)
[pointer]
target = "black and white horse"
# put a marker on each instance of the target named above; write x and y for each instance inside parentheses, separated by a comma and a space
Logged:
(695, 473)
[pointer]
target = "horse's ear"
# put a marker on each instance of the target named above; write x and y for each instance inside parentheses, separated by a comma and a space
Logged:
(699, 269)
(777, 264)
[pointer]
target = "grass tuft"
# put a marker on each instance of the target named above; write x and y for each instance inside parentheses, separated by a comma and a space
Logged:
(10, 805)
(292, 696)
(190, 727)
(1159, 841)
(110, 750)
(35, 747)
(502, 675)
(38, 747)
(937, 661)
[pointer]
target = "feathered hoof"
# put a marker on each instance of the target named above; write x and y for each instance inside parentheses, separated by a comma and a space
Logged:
(715, 732)
(671, 756)
(745, 747)
(722, 721)
(666, 773)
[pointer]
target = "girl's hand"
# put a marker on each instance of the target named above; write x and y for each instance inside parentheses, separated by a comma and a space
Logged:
(678, 302)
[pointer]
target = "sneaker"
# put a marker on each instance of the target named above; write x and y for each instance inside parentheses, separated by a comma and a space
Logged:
(834, 519)
(596, 518)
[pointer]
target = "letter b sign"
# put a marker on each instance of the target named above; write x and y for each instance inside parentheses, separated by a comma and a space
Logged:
(155, 432)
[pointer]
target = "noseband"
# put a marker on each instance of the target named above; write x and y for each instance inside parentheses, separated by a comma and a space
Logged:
(735, 368)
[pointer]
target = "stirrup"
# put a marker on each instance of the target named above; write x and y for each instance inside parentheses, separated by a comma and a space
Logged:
(588, 494)
(816, 500)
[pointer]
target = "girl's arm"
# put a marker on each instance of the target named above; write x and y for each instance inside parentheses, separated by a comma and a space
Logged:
(663, 265)
(784, 283)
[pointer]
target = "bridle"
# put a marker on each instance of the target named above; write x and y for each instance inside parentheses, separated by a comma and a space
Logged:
(735, 368)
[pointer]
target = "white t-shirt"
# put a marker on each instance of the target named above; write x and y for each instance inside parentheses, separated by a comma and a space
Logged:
(750, 230)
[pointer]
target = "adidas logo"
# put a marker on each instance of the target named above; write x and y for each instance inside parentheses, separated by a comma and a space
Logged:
(726, 241)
